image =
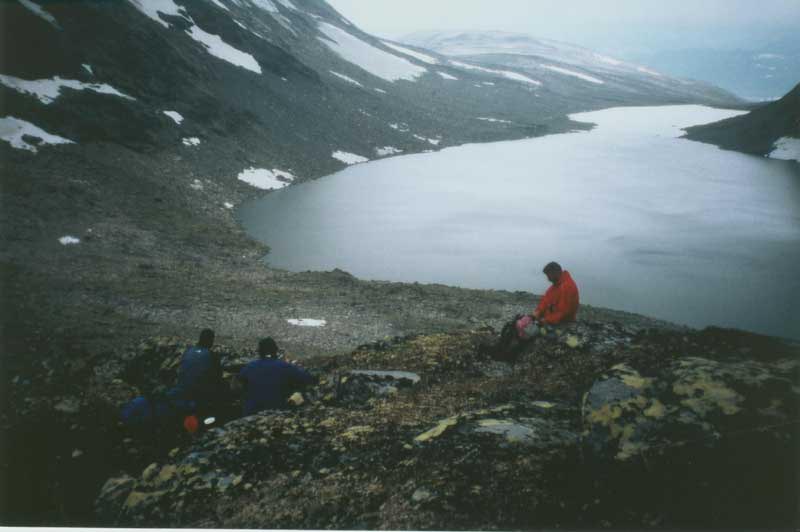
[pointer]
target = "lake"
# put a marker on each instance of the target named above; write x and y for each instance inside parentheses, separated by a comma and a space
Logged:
(646, 222)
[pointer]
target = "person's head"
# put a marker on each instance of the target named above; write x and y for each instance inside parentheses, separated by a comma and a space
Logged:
(267, 348)
(206, 339)
(552, 271)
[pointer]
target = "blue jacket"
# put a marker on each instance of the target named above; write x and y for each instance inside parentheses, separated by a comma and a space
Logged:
(269, 382)
(199, 375)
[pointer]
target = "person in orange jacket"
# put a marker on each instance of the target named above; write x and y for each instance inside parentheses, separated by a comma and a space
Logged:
(560, 302)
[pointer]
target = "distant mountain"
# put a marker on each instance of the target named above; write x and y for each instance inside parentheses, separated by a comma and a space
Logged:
(582, 76)
(763, 73)
(772, 130)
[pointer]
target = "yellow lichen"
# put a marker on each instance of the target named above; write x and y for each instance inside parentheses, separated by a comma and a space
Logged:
(438, 430)
(712, 394)
(356, 432)
(657, 409)
(572, 341)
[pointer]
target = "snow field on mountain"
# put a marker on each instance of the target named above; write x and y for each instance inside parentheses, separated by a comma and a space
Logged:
(572, 73)
(447, 76)
(13, 129)
(504, 73)
(413, 53)
(219, 48)
(266, 179)
(191, 141)
(48, 90)
(374, 60)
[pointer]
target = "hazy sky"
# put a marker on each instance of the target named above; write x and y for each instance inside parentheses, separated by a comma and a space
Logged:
(603, 24)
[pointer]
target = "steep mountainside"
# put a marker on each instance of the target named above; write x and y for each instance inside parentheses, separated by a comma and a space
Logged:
(772, 130)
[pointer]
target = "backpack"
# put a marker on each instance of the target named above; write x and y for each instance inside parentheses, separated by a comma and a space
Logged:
(155, 412)
(509, 345)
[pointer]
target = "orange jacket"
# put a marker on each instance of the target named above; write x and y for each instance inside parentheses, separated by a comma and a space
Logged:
(560, 302)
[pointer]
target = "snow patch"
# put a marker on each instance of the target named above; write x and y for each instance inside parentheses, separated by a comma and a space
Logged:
(220, 4)
(445, 75)
(769, 56)
(413, 53)
(218, 48)
(241, 25)
(152, 9)
(39, 11)
(787, 148)
(348, 158)
(69, 240)
(346, 78)
(269, 5)
(307, 322)
(435, 142)
(266, 179)
(504, 73)
(175, 115)
(374, 60)
(191, 141)
(13, 129)
(498, 120)
(196, 185)
(381, 91)
(609, 60)
(387, 150)
(572, 73)
(47, 90)
(88, 68)
(648, 71)
(228, 205)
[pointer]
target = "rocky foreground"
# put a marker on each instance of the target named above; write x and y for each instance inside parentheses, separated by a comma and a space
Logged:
(606, 425)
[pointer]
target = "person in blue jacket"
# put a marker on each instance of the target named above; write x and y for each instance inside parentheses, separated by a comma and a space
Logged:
(268, 382)
(200, 374)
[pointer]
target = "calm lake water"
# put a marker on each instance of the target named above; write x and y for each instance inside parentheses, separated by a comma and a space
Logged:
(645, 222)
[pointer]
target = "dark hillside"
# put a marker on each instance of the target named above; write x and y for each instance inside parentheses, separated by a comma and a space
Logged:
(757, 131)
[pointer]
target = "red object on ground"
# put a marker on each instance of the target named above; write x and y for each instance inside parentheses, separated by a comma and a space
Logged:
(191, 424)
(560, 302)
(523, 322)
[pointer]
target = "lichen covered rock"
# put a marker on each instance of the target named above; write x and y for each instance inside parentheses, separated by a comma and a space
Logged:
(696, 400)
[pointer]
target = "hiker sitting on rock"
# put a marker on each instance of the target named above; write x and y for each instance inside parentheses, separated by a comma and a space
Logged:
(558, 305)
(200, 374)
(268, 382)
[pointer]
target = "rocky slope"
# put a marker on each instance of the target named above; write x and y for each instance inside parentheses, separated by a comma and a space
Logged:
(772, 130)
(605, 425)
